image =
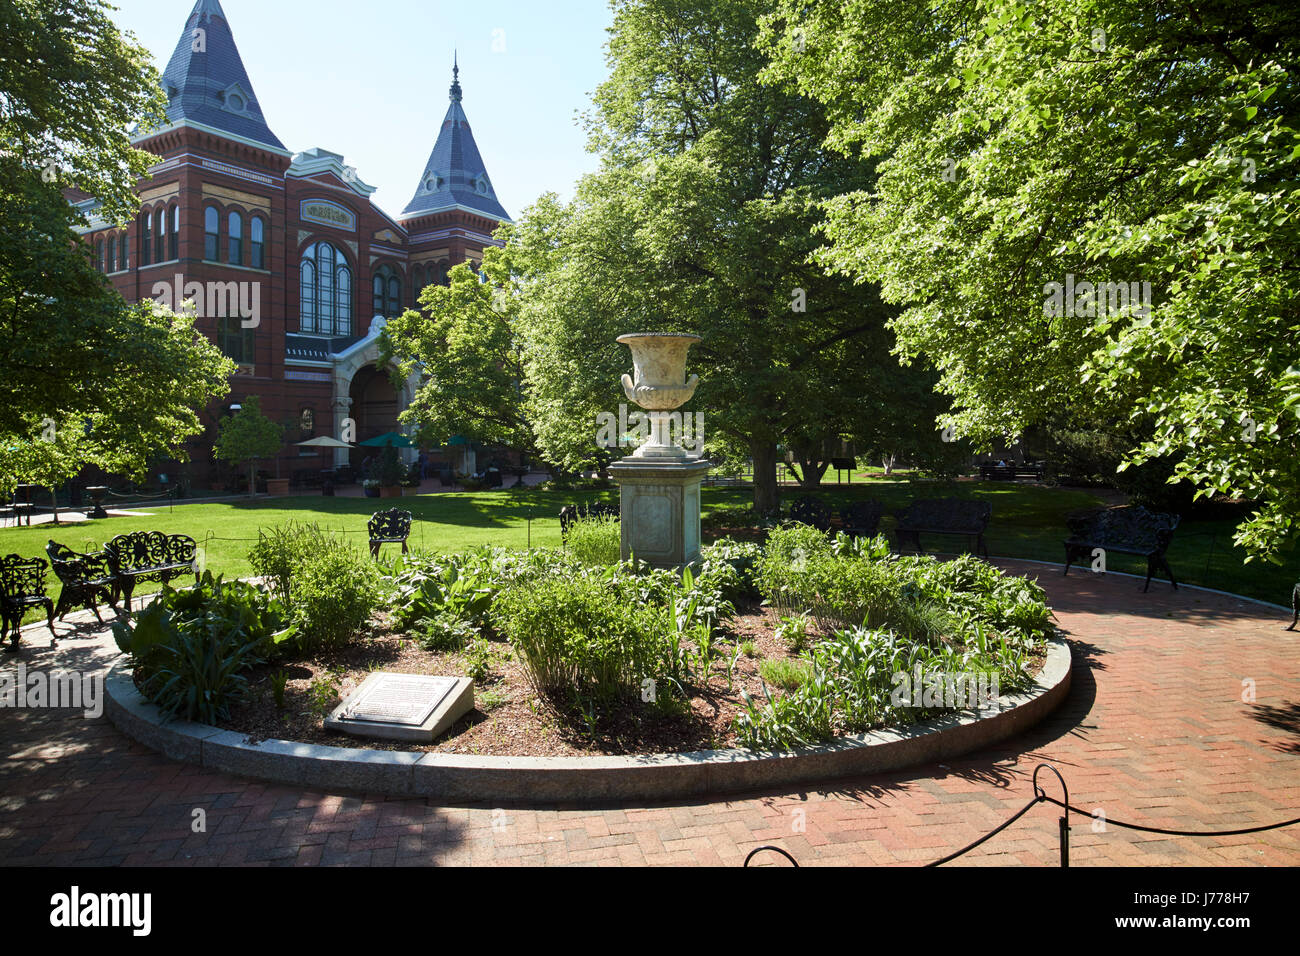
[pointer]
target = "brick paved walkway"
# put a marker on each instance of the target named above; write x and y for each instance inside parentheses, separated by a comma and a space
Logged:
(1154, 731)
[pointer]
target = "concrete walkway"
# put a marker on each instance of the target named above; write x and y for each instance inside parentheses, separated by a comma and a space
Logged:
(1155, 731)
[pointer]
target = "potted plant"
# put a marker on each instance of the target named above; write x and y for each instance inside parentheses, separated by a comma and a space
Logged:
(371, 487)
(390, 472)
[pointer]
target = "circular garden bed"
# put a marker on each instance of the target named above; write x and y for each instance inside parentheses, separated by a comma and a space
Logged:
(796, 642)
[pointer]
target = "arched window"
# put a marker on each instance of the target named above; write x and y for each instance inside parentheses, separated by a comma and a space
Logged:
(235, 236)
(145, 245)
(99, 254)
(256, 247)
(110, 265)
(160, 235)
(387, 292)
(124, 251)
(325, 291)
(443, 271)
(174, 234)
(211, 236)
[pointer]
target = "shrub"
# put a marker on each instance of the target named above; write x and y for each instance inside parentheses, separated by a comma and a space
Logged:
(281, 551)
(580, 640)
(191, 649)
(335, 591)
(595, 541)
(733, 565)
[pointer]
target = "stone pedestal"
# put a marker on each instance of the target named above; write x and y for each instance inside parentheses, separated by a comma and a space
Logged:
(659, 505)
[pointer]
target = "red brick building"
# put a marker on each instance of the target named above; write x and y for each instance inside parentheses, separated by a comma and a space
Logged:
(292, 268)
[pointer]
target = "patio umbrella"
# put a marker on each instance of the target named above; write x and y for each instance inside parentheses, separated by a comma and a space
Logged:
(324, 441)
(396, 439)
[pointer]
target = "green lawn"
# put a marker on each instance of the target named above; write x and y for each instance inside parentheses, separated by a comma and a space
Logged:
(1028, 522)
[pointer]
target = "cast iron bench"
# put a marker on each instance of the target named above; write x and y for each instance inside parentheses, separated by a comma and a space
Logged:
(22, 585)
(959, 516)
(812, 512)
(861, 519)
(87, 580)
(150, 556)
(1130, 529)
(572, 514)
(389, 527)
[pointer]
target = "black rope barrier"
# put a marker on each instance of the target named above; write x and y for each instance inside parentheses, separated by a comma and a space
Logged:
(1040, 796)
(775, 849)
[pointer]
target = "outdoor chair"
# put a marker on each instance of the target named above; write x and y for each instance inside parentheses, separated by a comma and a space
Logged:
(22, 586)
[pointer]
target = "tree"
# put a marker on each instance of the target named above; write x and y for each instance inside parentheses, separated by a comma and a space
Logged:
(1089, 205)
(466, 347)
(247, 436)
(701, 219)
(74, 351)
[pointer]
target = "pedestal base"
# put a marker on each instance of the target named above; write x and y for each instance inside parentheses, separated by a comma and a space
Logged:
(659, 508)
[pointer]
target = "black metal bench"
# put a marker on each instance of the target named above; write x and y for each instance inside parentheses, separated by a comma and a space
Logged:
(150, 556)
(959, 516)
(87, 580)
(389, 527)
(572, 514)
(22, 585)
(1130, 529)
(811, 511)
(861, 519)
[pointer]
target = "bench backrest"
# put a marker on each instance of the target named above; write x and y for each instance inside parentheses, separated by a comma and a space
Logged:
(1130, 526)
(862, 514)
(393, 523)
(960, 515)
(149, 549)
(21, 577)
(571, 514)
(72, 567)
(811, 511)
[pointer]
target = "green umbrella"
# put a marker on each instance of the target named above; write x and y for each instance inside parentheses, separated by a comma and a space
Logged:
(396, 439)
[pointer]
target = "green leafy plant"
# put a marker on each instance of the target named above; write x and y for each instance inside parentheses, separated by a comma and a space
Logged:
(785, 672)
(191, 649)
(279, 681)
(595, 541)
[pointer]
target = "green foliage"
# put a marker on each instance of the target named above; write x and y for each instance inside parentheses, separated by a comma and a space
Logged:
(595, 541)
(191, 649)
(793, 631)
(279, 681)
(786, 673)
(581, 640)
(247, 436)
(281, 551)
(1086, 141)
(389, 470)
(732, 565)
(331, 587)
(335, 591)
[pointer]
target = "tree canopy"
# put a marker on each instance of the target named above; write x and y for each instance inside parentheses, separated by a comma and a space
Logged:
(120, 384)
(1085, 205)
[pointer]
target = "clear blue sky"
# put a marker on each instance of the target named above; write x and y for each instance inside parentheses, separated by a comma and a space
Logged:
(369, 80)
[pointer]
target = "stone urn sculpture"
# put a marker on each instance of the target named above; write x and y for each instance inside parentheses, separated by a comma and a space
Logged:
(659, 483)
(660, 386)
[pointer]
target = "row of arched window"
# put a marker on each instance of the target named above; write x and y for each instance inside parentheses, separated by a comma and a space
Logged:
(237, 251)
(113, 252)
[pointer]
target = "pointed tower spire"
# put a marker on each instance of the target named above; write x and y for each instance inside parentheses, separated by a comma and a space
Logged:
(455, 176)
(206, 83)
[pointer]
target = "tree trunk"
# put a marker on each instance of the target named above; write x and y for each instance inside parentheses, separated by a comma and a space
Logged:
(54, 503)
(252, 479)
(888, 462)
(767, 498)
(810, 473)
